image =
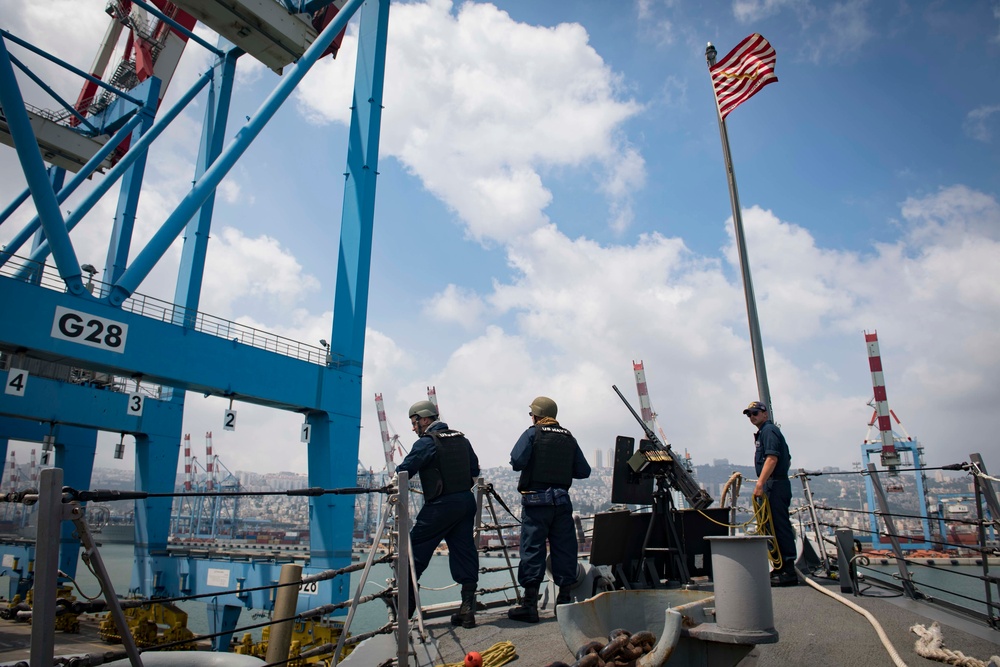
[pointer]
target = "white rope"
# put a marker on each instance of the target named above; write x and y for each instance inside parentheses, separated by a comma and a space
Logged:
(979, 473)
(890, 649)
(931, 645)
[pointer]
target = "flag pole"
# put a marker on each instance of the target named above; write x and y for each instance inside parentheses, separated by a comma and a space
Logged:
(764, 393)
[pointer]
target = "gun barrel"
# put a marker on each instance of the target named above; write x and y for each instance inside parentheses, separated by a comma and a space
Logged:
(679, 477)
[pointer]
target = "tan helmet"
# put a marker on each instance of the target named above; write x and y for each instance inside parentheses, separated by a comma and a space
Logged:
(543, 406)
(423, 409)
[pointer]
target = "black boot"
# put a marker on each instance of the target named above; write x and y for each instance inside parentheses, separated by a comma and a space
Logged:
(564, 596)
(527, 611)
(466, 616)
(786, 576)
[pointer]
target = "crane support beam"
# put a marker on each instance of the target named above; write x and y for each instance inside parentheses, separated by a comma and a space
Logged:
(177, 221)
(55, 326)
(263, 28)
(103, 185)
(36, 175)
(336, 433)
(187, 292)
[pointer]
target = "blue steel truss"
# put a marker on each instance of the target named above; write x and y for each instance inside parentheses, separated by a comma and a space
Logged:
(902, 445)
(71, 331)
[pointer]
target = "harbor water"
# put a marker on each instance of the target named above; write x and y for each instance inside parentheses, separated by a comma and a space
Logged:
(957, 584)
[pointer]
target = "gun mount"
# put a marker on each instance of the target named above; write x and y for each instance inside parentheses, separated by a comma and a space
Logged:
(663, 462)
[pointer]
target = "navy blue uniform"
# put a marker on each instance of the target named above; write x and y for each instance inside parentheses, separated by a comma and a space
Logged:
(450, 517)
(769, 441)
(547, 523)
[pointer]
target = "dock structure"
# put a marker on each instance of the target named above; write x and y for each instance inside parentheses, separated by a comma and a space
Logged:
(86, 355)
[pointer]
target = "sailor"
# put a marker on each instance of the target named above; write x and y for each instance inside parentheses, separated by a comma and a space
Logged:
(549, 459)
(772, 461)
(447, 466)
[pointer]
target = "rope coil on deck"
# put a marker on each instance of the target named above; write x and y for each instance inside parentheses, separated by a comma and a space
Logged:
(499, 654)
(931, 645)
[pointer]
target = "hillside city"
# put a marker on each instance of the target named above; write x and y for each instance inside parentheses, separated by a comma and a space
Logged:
(834, 488)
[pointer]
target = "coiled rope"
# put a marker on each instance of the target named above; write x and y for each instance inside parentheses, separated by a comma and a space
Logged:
(499, 654)
(931, 645)
(765, 526)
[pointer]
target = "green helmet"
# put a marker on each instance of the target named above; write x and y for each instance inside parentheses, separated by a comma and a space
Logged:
(543, 406)
(423, 409)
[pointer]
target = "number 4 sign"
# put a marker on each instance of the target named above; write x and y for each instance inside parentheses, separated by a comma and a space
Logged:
(17, 380)
(229, 421)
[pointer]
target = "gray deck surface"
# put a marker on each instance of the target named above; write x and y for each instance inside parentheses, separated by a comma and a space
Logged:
(814, 630)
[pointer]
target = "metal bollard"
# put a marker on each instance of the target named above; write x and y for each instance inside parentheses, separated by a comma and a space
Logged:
(845, 562)
(285, 603)
(742, 584)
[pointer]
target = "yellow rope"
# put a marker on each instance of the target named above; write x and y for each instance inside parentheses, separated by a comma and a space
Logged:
(728, 525)
(765, 526)
(499, 654)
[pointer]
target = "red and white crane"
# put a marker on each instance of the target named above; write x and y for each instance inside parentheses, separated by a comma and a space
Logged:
(188, 470)
(12, 477)
(390, 443)
(890, 457)
(157, 47)
(152, 48)
(645, 406)
(209, 463)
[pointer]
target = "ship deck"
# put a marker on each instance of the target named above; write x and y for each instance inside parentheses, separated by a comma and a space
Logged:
(813, 628)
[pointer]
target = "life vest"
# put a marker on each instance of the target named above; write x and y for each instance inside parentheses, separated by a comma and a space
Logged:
(552, 456)
(448, 471)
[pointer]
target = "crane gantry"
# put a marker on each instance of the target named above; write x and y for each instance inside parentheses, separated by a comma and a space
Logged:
(62, 339)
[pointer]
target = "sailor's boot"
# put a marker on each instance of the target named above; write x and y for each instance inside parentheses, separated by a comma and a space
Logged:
(527, 611)
(466, 616)
(563, 597)
(786, 576)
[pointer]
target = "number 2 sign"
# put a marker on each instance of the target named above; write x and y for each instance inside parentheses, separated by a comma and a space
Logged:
(229, 421)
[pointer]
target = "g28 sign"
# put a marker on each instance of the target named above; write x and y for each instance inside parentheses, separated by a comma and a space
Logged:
(87, 329)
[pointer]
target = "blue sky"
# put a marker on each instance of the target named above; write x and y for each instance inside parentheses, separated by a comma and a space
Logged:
(553, 205)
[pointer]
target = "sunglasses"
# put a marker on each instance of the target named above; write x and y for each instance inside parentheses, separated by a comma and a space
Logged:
(753, 413)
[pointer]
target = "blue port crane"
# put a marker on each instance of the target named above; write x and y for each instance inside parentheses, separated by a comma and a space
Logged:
(82, 357)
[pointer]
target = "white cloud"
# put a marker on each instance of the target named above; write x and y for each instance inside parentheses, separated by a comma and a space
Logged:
(479, 132)
(979, 123)
(483, 137)
(750, 11)
(456, 304)
(258, 267)
(835, 30)
(582, 310)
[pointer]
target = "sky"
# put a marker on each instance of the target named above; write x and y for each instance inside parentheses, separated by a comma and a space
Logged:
(552, 205)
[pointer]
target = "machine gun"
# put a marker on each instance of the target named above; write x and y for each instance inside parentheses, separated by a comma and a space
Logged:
(662, 460)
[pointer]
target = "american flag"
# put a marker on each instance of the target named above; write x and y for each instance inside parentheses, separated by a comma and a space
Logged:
(744, 71)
